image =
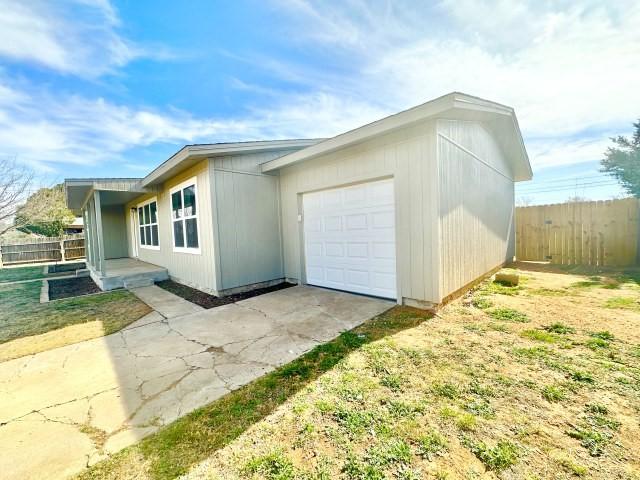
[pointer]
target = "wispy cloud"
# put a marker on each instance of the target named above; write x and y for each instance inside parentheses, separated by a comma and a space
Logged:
(48, 130)
(571, 71)
(567, 68)
(75, 37)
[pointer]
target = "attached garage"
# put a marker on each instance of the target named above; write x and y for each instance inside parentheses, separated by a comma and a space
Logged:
(349, 236)
(414, 207)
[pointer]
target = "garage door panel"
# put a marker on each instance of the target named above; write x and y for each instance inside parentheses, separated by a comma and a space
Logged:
(332, 223)
(315, 273)
(381, 220)
(334, 249)
(384, 250)
(356, 221)
(357, 250)
(356, 238)
(384, 281)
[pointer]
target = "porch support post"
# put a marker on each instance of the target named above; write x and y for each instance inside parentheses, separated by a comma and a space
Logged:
(87, 233)
(100, 261)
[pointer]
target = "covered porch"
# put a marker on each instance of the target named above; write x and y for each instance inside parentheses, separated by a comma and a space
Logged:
(128, 273)
(101, 202)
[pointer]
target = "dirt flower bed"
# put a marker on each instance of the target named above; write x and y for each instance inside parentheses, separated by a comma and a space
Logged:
(72, 287)
(206, 300)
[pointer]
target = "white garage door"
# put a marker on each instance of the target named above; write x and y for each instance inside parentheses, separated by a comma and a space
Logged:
(349, 236)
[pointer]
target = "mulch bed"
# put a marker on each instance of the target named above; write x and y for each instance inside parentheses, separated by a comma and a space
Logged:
(206, 300)
(72, 287)
(66, 267)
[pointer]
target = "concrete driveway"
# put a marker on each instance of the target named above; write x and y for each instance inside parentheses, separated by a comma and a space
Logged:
(67, 408)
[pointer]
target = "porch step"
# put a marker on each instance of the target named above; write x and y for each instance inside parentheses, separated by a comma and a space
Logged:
(138, 282)
(83, 272)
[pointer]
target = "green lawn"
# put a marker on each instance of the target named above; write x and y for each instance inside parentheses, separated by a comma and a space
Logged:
(22, 273)
(22, 314)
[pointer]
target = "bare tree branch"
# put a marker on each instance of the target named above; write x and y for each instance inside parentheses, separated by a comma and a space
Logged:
(15, 185)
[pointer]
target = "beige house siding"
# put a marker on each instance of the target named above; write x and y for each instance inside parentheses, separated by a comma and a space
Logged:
(476, 204)
(114, 231)
(408, 156)
(197, 270)
(247, 209)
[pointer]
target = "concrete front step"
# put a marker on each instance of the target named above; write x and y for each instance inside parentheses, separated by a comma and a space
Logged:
(138, 282)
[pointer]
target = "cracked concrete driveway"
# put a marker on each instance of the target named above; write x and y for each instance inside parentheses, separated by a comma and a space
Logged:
(70, 407)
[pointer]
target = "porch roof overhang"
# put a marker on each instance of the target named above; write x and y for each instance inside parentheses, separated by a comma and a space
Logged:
(113, 191)
(500, 119)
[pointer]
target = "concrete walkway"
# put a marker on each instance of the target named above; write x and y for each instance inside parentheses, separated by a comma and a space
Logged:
(67, 408)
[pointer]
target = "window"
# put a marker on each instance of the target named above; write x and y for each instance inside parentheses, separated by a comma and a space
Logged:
(148, 224)
(184, 217)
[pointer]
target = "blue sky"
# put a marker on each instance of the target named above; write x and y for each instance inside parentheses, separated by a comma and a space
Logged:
(112, 88)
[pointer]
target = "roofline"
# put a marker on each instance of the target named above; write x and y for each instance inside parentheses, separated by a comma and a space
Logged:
(216, 149)
(398, 120)
(94, 180)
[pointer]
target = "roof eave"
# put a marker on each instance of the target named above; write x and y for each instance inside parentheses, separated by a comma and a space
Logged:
(199, 152)
(431, 109)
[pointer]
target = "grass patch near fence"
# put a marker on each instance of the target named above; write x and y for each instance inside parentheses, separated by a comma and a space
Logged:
(20, 273)
(22, 315)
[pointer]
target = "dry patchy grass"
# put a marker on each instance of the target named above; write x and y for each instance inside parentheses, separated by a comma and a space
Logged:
(28, 326)
(553, 394)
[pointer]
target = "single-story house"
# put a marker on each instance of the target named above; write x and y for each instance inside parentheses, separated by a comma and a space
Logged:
(412, 207)
(75, 227)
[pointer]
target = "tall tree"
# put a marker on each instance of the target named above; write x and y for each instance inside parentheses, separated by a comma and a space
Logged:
(622, 161)
(15, 183)
(45, 212)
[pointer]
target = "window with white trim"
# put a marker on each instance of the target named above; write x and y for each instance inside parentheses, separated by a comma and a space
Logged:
(148, 224)
(184, 217)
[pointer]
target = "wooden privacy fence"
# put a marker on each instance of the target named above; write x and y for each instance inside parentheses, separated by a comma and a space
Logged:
(44, 249)
(580, 233)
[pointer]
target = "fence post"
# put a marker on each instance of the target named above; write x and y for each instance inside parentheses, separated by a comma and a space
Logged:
(0, 256)
(62, 248)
